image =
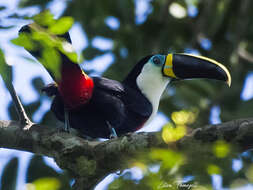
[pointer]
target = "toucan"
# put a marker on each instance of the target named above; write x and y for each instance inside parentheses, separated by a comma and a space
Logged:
(99, 107)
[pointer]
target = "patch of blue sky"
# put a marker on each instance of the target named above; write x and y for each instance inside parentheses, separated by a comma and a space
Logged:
(216, 182)
(78, 37)
(57, 7)
(104, 183)
(24, 72)
(156, 124)
(102, 43)
(192, 51)
(215, 115)
(50, 162)
(112, 22)
(39, 113)
(135, 173)
(247, 92)
(245, 187)
(23, 160)
(187, 179)
(99, 64)
(154, 168)
(206, 44)
(142, 9)
(123, 52)
(9, 4)
(192, 11)
(237, 165)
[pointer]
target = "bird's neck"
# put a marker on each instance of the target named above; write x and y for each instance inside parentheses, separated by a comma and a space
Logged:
(152, 87)
(75, 86)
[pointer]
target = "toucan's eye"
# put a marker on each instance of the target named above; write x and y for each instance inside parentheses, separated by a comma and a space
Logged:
(156, 61)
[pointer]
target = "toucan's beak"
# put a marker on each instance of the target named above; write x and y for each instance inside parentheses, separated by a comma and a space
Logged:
(186, 66)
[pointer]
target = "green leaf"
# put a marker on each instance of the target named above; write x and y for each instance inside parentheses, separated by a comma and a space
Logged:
(45, 18)
(24, 40)
(10, 172)
(51, 60)
(67, 49)
(5, 70)
(61, 25)
(43, 38)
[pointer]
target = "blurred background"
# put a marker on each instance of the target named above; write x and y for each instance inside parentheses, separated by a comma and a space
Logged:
(111, 36)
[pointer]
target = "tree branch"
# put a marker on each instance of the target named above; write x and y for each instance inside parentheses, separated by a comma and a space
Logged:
(90, 161)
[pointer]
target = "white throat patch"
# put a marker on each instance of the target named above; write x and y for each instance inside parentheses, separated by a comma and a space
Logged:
(152, 83)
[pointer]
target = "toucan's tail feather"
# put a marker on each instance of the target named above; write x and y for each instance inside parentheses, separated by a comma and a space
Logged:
(54, 59)
(74, 86)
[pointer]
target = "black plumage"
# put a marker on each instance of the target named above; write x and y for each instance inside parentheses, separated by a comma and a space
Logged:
(120, 104)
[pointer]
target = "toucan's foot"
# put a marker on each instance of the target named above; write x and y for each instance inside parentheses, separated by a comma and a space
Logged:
(66, 123)
(113, 133)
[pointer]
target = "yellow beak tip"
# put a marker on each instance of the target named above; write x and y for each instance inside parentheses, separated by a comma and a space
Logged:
(229, 83)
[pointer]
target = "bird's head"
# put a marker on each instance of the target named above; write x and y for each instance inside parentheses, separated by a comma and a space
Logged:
(178, 66)
(152, 74)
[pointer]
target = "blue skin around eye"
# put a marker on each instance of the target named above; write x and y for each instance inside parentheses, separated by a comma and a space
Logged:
(161, 57)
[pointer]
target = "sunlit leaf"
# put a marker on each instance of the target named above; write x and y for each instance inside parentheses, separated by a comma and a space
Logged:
(62, 25)
(45, 18)
(221, 149)
(172, 134)
(43, 37)
(49, 183)
(177, 10)
(67, 49)
(184, 117)
(170, 158)
(213, 169)
(24, 40)
(51, 60)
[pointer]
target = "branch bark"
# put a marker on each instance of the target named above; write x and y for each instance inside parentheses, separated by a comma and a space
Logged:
(90, 161)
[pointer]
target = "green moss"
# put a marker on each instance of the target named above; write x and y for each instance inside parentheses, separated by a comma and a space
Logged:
(85, 166)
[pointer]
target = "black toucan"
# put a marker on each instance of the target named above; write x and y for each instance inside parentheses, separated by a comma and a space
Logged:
(99, 107)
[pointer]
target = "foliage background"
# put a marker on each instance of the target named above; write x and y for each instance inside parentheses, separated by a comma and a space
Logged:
(117, 34)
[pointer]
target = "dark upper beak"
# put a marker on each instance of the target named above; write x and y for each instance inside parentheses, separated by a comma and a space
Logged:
(186, 66)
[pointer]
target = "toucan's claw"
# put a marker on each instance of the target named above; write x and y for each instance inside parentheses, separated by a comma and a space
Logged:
(66, 121)
(113, 133)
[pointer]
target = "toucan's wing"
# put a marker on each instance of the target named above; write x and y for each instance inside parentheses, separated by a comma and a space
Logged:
(131, 100)
(107, 99)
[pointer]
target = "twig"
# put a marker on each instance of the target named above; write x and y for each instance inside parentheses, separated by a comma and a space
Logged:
(23, 118)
